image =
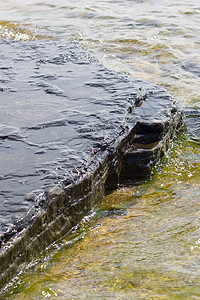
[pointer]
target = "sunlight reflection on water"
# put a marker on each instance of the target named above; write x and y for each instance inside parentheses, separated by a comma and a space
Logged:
(153, 41)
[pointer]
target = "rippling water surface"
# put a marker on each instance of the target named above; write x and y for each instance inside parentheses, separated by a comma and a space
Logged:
(151, 40)
(144, 241)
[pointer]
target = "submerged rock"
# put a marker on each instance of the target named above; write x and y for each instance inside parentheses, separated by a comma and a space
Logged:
(70, 130)
(192, 123)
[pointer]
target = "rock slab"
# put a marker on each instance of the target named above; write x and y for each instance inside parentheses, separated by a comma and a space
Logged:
(70, 129)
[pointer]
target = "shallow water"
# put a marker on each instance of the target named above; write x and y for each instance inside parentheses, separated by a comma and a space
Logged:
(144, 242)
(153, 41)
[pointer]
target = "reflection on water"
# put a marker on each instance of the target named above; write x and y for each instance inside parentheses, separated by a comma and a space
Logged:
(19, 32)
(144, 243)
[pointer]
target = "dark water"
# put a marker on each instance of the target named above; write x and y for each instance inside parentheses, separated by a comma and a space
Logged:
(148, 245)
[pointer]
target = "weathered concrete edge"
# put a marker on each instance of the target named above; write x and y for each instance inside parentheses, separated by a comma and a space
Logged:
(63, 207)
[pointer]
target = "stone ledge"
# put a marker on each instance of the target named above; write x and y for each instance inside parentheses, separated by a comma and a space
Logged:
(104, 130)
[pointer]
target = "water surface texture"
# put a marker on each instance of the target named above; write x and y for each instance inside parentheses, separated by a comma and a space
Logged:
(146, 244)
(154, 41)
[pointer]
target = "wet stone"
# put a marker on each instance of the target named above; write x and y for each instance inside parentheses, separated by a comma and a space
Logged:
(192, 122)
(69, 122)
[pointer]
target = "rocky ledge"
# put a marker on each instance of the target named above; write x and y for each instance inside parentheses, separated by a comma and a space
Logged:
(70, 130)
